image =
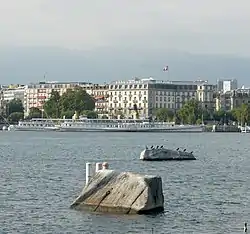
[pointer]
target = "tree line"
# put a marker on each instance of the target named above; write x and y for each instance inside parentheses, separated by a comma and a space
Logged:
(79, 100)
(57, 106)
(65, 106)
(192, 113)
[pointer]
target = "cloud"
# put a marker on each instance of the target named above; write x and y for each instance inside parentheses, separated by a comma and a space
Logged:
(194, 25)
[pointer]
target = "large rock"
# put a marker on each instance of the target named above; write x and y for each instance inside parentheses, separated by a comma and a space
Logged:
(159, 154)
(127, 193)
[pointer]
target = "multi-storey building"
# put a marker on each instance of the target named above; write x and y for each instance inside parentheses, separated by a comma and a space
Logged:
(100, 93)
(123, 95)
(225, 85)
(232, 99)
(8, 93)
(150, 94)
(120, 97)
(205, 94)
(37, 94)
(14, 92)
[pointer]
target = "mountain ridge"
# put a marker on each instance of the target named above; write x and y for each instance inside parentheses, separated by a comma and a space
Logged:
(104, 64)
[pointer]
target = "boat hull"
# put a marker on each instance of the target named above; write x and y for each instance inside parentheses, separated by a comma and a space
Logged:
(188, 130)
(35, 129)
(99, 125)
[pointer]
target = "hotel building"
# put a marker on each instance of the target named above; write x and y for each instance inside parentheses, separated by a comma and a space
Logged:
(150, 94)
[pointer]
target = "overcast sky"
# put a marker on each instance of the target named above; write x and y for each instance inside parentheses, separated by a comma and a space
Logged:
(216, 26)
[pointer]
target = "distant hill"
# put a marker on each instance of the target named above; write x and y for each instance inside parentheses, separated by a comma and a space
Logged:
(29, 64)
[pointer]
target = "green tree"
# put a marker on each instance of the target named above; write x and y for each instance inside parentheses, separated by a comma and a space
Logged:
(14, 105)
(14, 117)
(76, 100)
(219, 115)
(72, 100)
(236, 113)
(183, 115)
(164, 115)
(242, 114)
(230, 115)
(104, 117)
(67, 101)
(245, 110)
(67, 114)
(52, 106)
(207, 115)
(190, 112)
(90, 114)
(34, 112)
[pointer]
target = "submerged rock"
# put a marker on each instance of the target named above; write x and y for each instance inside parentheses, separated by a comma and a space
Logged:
(126, 192)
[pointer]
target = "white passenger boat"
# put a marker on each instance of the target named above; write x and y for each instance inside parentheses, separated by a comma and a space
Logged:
(124, 125)
(36, 124)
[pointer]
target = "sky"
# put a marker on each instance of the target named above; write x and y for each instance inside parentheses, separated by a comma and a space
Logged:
(198, 26)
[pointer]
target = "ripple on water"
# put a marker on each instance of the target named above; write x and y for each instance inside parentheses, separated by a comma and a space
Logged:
(42, 173)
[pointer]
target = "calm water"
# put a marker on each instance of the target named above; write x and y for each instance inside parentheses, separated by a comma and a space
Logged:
(42, 173)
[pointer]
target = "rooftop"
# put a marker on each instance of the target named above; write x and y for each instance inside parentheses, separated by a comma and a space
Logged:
(151, 80)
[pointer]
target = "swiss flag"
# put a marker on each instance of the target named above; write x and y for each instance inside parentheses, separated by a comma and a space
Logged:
(165, 68)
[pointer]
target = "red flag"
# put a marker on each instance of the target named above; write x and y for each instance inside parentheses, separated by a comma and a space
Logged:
(165, 68)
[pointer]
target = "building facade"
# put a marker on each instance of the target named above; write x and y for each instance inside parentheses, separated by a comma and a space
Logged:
(123, 95)
(100, 94)
(225, 85)
(13, 92)
(37, 94)
(131, 98)
(150, 94)
(232, 99)
(8, 93)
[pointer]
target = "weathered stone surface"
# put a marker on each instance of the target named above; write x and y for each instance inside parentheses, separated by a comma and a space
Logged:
(165, 154)
(127, 193)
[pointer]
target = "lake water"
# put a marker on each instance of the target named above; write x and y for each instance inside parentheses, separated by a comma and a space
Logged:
(42, 173)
